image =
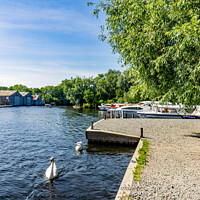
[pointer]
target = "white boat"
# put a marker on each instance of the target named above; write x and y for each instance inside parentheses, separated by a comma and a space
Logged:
(48, 105)
(128, 111)
(107, 107)
(197, 111)
(160, 115)
(77, 106)
(163, 111)
(104, 107)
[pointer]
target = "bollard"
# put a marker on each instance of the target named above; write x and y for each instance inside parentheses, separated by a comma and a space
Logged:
(111, 114)
(92, 124)
(122, 114)
(141, 133)
(133, 116)
(104, 116)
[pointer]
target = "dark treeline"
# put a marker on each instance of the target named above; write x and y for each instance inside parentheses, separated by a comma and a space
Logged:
(112, 86)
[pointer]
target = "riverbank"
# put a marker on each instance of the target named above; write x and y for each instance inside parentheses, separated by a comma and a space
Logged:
(5, 106)
(172, 170)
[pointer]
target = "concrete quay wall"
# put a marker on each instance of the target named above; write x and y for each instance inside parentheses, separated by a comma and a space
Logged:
(172, 170)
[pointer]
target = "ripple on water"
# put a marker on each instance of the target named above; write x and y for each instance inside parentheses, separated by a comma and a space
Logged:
(29, 136)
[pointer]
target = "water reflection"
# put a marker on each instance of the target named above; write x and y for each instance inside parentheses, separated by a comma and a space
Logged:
(109, 149)
(34, 134)
(78, 153)
(52, 190)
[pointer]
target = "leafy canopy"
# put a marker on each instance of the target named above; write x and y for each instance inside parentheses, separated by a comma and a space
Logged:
(160, 41)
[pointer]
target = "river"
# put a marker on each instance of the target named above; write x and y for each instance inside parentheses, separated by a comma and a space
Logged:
(29, 136)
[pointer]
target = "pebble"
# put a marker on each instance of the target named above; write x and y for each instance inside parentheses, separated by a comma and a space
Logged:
(173, 169)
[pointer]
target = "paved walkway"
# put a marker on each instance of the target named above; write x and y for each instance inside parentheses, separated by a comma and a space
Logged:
(173, 167)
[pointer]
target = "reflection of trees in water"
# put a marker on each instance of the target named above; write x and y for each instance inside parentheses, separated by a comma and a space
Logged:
(109, 149)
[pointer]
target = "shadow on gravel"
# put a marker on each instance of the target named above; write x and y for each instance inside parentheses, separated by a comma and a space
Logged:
(148, 137)
(196, 135)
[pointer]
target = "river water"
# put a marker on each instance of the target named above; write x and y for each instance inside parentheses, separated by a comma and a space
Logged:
(29, 136)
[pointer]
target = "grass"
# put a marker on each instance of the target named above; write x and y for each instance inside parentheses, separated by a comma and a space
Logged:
(141, 160)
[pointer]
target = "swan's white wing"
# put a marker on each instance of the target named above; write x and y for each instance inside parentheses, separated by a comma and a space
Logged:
(48, 172)
(77, 148)
(55, 171)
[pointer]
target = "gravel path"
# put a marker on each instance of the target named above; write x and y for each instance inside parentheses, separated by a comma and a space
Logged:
(173, 167)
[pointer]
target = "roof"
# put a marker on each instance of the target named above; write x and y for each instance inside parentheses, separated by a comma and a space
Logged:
(24, 93)
(7, 92)
(35, 97)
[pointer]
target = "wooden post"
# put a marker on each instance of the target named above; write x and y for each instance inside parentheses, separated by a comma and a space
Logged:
(141, 133)
(92, 124)
(104, 116)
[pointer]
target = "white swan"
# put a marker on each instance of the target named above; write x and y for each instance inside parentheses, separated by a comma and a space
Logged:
(79, 146)
(52, 171)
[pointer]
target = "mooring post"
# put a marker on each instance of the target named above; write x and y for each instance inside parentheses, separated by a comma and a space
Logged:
(141, 133)
(104, 116)
(92, 124)
(122, 114)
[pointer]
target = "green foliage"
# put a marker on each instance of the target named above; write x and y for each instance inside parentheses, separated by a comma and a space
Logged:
(105, 88)
(21, 88)
(3, 88)
(159, 41)
(101, 101)
(57, 101)
(141, 160)
(110, 87)
(88, 96)
(87, 105)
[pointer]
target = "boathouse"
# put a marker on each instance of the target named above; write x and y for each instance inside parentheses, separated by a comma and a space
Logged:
(37, 100)
(27, 98)
(11, 97)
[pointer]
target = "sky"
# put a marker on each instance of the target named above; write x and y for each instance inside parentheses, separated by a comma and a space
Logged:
(43, 42)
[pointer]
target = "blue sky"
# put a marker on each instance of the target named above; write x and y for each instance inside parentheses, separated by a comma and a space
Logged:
(43, 42)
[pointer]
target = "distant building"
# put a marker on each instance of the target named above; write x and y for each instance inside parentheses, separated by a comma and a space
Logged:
(37, 100)
(11, 97)
(27, 98)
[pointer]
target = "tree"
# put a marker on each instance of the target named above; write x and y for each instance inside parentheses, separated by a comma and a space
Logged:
(159, 40)
(3, 88)
(74, 90)
(20, 88)
(107, 84)
(88, 97)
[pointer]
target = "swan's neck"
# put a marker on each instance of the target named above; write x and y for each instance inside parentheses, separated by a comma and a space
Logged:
(52, 164)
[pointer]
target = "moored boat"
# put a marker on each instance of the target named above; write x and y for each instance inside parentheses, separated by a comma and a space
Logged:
(48, 105)
(77, 106)
(128, 111)
(160, 115)
(104, 107)
(190, 117)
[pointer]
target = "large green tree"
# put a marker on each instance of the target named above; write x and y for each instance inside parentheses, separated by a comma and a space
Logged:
(160, 41)
(20, 87)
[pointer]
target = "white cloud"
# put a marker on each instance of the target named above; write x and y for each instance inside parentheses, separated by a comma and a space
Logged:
(42, 45)
(45, 19)
(41, 76)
